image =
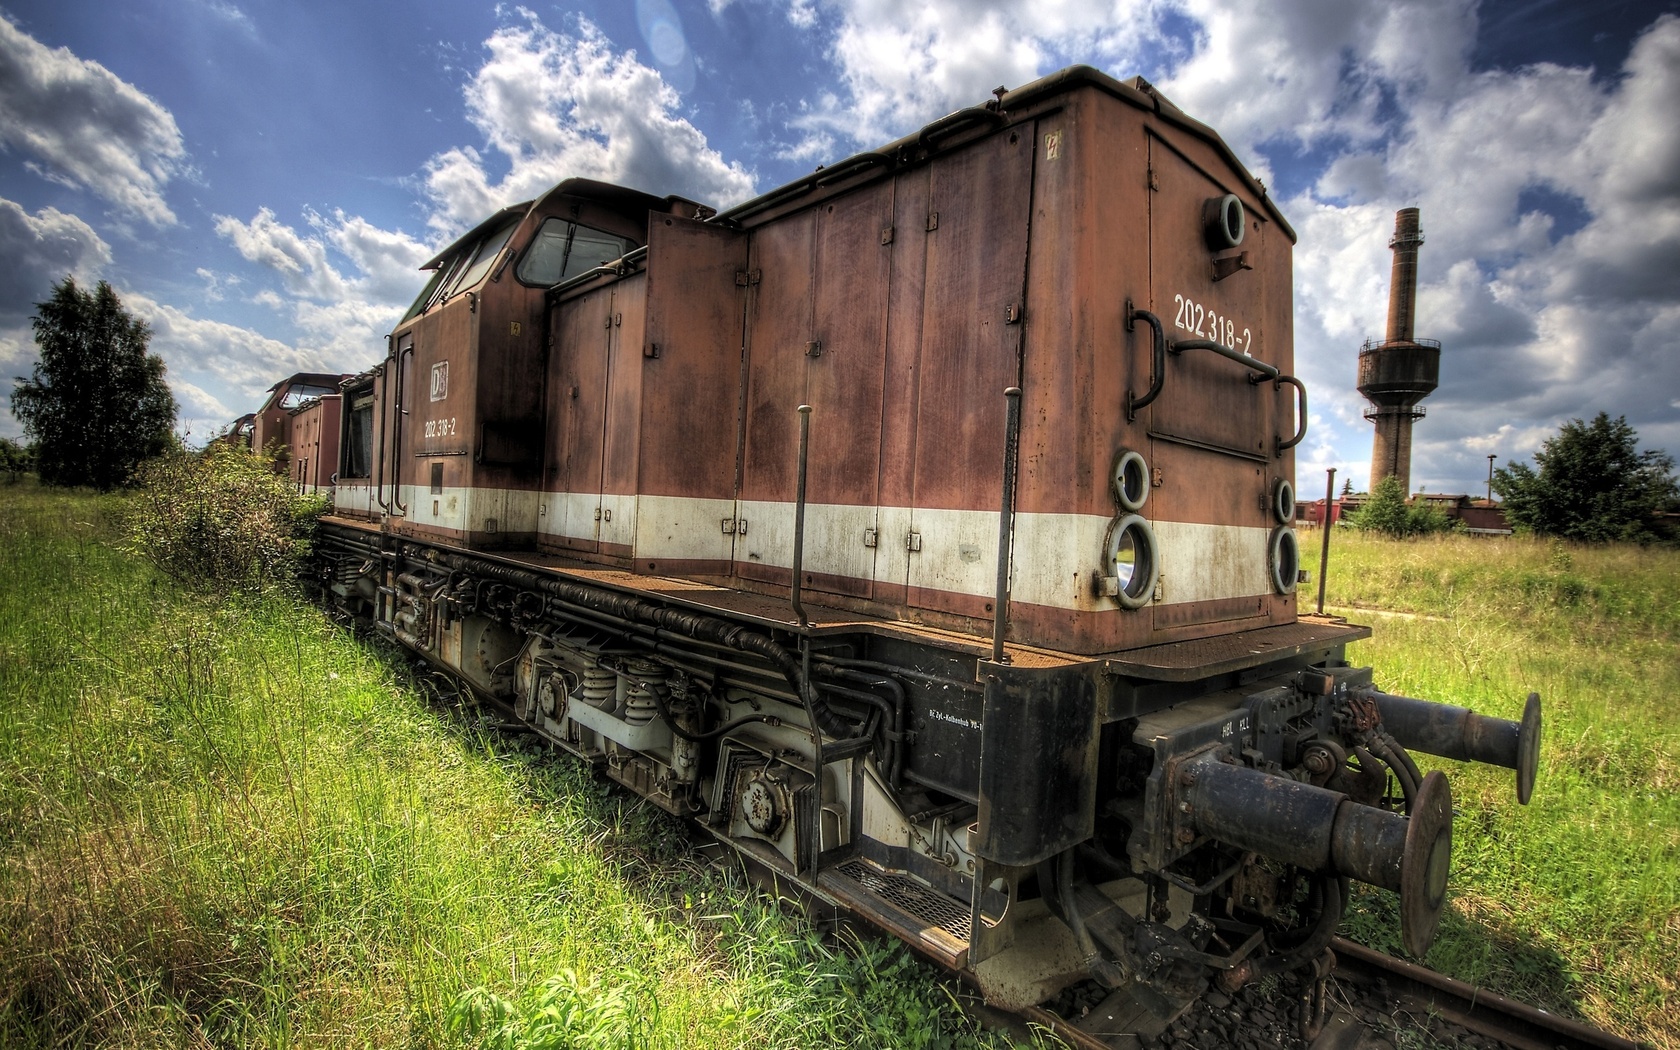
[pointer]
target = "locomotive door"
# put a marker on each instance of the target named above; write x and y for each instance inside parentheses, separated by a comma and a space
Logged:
(816, 322)
(976, 219)
(1211, 431)
(623, 417)
(578, 409)
(691, 396)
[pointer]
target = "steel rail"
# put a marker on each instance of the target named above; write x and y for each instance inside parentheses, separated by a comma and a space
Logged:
(1487, 1013)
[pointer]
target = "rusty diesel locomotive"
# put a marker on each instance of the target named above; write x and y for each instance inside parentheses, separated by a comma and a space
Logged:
(924, 529)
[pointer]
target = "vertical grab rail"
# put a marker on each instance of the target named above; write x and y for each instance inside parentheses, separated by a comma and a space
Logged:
(378, 478)
(799, 515)
(1157, 359)
(1324, 546)
(1006, 517)
(397, 424)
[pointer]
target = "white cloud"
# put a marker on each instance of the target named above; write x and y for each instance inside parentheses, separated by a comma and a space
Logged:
(1318, 71)
(558, 105)
(214, 353)
(86, 127)
(346, 281)
(902, 67)
(232, 14)
(41, 249)
(301, 261)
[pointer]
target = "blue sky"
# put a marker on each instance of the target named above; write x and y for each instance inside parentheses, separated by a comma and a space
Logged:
(260, 179)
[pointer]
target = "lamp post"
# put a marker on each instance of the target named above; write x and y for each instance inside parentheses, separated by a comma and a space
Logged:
(1491, 457)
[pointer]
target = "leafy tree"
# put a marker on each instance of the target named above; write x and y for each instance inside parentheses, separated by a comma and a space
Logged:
(15, 459)
(97, 405)
(1593, 484)
(1386, 512)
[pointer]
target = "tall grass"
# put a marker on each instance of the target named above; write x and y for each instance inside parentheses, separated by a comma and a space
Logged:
(234, 824)
(1572, 902)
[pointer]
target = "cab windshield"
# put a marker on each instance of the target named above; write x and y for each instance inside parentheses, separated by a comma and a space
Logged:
(464, 268)
(563, 249)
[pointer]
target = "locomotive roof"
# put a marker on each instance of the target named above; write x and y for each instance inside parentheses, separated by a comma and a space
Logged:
(631, 202)
(914, 148)
(310, 379)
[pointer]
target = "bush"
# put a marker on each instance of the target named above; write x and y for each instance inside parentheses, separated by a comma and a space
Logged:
(15, 460)
(1388, 513)
(221, 519)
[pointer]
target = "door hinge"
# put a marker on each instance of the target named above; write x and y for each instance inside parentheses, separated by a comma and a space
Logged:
(869, 537)
(734, 526)
(913, 542)
(743, 278)
(932, 221)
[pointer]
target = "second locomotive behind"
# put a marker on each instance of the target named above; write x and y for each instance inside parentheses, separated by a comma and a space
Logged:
(925, 529)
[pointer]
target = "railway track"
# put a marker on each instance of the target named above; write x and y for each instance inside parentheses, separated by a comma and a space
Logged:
(1367, 985)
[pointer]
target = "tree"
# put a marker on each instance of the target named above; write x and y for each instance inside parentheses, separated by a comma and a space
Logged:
(1593, 484)
(1386, 512)
(97, 405)
(15, 459)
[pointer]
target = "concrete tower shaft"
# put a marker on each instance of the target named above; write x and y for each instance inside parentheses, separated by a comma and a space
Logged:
(1401, 370)
(1402, 282)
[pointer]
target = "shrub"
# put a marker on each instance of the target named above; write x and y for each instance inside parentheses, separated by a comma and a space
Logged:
(221, 519)
(1388, 513)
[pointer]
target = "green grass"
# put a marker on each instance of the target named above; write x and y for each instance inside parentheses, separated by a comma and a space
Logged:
(1572, 902)
(234, 824)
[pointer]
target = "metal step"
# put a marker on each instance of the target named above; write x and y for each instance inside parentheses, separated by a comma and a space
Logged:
(934, 922)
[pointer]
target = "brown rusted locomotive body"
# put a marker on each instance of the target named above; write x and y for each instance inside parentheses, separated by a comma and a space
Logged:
(315, 429)
(718, 502)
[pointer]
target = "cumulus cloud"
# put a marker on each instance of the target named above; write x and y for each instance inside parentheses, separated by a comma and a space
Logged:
(557, 105)
(40, 249)
(85, 127)
(346, 280)
(899, 68)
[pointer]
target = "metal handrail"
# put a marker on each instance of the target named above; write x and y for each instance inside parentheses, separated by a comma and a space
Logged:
(799, 515)
(1262, 372)
(1158, 361)
(1300, 413)
(1230, 354)
(1006, 518)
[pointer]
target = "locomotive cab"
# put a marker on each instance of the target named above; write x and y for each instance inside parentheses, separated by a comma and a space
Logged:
(461, 413)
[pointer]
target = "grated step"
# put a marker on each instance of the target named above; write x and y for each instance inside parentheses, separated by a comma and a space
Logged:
(911, 897)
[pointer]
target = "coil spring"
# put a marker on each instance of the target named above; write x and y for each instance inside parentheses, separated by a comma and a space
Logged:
(643, 678)
(599, 688)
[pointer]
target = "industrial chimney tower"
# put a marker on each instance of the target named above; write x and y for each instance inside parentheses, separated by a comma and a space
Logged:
(1401, 370)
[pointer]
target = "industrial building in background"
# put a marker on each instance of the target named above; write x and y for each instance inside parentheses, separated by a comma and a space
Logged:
(1401, 370)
